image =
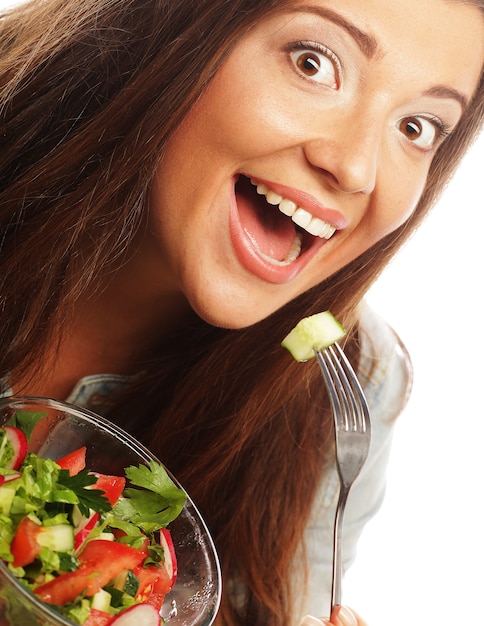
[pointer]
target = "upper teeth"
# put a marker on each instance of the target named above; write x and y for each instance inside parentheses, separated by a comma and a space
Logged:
(313, 225)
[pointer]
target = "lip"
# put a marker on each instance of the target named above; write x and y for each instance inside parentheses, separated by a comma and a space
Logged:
(306, 201)
(257, 265)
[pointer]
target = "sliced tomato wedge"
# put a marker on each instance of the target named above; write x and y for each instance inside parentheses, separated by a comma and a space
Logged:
(101, 553)
(112, 486)
(66, 587)
(24, 546)
(74, 461)
(154, 584)
(100, 561)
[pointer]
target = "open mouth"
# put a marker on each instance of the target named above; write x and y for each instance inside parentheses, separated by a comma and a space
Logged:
(279, 230)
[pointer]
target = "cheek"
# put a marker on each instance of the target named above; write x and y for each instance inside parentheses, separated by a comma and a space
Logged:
(244, 116)
(395, 202)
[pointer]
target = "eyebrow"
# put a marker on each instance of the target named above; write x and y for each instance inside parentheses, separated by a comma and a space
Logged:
(441, 91)
(366, 42)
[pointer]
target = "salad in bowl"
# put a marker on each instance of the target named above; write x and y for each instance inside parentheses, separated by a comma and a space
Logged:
(94, 531)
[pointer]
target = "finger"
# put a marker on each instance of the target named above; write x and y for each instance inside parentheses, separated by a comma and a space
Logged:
(309, 620)
(344, 616)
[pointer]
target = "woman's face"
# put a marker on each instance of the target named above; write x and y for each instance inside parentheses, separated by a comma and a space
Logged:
(312, 142)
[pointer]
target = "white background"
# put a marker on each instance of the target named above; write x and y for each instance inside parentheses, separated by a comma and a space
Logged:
(420, 560)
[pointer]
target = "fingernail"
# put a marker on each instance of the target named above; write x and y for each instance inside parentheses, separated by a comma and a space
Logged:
(309, 620)
(346, 617)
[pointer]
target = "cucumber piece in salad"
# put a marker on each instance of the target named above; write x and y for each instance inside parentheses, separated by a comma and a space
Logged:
(315, 332)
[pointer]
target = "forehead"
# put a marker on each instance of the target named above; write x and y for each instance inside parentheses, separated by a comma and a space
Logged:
(405, 15)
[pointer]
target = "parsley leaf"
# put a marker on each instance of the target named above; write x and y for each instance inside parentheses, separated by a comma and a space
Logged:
(94, 499)
(67, 562)
(155, 505)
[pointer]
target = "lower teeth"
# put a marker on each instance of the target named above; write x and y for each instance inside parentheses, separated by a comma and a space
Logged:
(291, 256)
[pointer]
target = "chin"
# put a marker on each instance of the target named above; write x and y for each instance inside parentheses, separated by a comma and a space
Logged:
(233, 314)
(229, 320)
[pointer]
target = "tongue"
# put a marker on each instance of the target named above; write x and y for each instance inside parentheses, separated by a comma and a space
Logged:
(269, 230)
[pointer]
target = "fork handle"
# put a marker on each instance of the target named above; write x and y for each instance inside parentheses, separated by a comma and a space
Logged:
(337, 558)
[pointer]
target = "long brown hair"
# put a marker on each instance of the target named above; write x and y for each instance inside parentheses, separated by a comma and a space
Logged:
(90, 92)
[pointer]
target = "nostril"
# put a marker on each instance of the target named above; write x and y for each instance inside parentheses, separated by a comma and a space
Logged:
(348, 168)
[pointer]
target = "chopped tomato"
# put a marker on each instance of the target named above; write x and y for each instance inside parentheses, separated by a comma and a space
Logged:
(154, 583)
(111, 485)
(100, 561)
(102, 552)
(74, 462)
(66, 587)
(24, 546)
(98, 618)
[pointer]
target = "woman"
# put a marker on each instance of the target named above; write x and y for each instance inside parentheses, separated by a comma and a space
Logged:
(155, 160)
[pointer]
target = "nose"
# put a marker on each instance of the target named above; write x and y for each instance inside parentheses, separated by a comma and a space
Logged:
(348, 151)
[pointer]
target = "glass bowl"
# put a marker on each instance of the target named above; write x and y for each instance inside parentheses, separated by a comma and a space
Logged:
(195, 596)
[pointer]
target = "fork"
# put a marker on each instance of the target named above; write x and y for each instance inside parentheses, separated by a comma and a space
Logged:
(352, 435)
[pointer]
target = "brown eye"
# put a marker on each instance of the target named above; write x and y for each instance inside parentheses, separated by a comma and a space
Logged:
(308, 63)
(411, 127)
(316, 66)
(420, 130)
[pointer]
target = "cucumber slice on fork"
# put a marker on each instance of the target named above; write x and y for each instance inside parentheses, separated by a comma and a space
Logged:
(315, 332)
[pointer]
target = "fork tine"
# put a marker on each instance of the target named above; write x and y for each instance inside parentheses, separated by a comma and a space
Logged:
(338, 387)
(352, 384)
(329, 375)
(345, 392)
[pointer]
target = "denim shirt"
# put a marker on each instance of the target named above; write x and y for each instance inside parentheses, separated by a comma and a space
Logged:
(385, 375)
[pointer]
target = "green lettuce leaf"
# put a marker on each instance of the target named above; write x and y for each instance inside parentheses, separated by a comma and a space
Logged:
(26, 421)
